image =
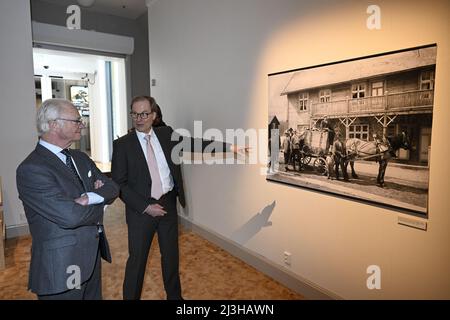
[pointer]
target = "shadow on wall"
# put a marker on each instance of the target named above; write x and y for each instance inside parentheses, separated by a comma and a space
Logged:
(254, 225)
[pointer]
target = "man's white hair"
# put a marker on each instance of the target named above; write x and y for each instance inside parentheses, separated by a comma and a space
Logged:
(49, 110)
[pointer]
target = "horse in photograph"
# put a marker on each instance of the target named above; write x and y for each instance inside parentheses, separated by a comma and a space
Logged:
(380, 151)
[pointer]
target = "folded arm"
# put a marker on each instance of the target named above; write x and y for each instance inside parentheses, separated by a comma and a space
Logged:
(104, 186)
(39, 190)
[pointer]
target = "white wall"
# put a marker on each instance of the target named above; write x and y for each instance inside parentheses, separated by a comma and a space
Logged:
(120, 106)
(211, 59)
(17, 106)
(99, 116)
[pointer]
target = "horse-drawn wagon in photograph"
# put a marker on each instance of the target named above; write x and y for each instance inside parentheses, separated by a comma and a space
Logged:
(315, 150)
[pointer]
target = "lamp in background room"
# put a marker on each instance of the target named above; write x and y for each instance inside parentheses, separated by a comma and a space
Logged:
(86, 3)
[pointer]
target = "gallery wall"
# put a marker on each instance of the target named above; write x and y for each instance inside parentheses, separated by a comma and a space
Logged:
(17, 105)
(210, 60)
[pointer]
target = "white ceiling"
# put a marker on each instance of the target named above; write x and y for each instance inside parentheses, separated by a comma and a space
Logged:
(133, 8)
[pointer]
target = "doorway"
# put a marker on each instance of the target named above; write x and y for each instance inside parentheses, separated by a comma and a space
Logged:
(96, 85)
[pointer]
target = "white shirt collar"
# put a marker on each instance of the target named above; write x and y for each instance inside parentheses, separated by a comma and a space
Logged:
(142, 135)
(53, 148)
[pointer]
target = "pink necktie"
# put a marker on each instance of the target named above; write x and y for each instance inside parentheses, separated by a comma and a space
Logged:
(157, 191)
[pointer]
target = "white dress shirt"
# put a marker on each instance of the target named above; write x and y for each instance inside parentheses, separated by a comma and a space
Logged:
(163, 168)
(93, 197)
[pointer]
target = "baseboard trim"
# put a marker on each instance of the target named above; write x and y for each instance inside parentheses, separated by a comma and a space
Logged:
(285, 277)
(17, 231)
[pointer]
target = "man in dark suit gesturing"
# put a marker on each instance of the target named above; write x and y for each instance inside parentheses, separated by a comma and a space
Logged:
(64, 194)
(150, 181)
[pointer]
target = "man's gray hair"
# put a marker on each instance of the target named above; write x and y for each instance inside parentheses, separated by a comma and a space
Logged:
(48, 111)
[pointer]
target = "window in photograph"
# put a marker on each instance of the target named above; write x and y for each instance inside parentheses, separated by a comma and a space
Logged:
(358, 91)
(427, 80)
(325, 95)
(360, 131)
(303, 98)
(377, 89)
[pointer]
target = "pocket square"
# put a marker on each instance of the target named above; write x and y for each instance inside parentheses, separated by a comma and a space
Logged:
(89, 174)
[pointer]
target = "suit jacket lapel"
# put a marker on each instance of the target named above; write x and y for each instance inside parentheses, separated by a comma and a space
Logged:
(137, 150)
(56, 163)
(82, 170)
(165, 147)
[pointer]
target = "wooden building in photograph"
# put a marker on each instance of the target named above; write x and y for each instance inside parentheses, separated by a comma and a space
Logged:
(382, 95)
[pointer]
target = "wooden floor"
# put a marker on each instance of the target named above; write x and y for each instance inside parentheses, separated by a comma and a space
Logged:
(207, 272)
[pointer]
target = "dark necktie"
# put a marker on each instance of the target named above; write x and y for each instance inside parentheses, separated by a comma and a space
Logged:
(71, 166)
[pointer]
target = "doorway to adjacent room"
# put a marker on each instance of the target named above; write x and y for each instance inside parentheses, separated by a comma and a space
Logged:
(96, 85)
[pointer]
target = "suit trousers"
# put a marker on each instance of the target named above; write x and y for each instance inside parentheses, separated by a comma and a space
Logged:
(90, 289)
(141, 230)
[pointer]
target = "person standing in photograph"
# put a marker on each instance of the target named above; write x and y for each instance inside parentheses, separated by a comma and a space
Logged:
(286, 147)
(325, 125)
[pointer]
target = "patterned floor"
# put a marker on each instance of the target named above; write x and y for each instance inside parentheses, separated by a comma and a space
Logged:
(207, 272)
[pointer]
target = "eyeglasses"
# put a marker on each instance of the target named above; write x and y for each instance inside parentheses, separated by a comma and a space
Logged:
(142, 115)
(79, 122)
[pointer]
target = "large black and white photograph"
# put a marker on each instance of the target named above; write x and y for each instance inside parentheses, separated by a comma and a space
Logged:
(359, 128)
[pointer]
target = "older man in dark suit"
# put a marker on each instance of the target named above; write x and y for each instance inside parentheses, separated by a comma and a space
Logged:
(150, 181)
(64, 194)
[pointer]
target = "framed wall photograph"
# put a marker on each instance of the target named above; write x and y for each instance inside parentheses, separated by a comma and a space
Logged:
(359, 128)
(79, 95)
